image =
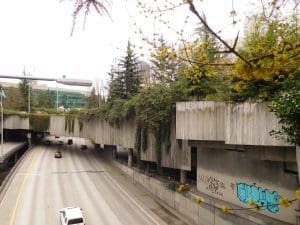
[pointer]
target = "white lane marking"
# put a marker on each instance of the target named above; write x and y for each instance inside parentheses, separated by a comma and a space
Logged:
(28, 174)
(126, 193)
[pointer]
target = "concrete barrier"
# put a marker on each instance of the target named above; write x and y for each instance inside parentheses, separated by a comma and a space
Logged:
(207, 213)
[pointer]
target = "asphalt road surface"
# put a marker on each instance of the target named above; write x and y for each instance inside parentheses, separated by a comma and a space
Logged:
(42, 185)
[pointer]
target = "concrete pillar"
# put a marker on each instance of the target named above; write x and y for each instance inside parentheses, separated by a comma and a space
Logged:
(114, 152)
(29, 138)
(130, 155)
(147, 167)
(182, 176)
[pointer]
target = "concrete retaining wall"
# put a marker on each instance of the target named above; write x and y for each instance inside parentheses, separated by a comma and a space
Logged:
(98, 130)
(16, 122)
(207, 213)
(238, 124)
(250, 124)
(231, 177)
(200, 120)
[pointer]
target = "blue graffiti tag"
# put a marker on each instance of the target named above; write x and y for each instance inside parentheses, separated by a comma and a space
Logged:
(263, 197)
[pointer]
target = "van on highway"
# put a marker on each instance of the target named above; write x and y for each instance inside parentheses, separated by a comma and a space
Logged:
(71, 216)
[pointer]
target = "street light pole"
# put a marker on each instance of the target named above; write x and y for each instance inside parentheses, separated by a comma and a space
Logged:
(29, 96)
(57, 97)
(1, 125)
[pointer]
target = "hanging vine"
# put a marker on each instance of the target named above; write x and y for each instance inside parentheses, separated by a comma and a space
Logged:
(137, 144)
(158, 150)
(165, 135)
(144, 138)
(69, 123)
(39, 122)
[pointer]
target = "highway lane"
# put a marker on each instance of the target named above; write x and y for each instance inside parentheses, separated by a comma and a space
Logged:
(42, 185)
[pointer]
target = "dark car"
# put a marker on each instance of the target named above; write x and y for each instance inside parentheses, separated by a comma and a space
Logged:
(57, 154)
(83, 147)
(70, 141)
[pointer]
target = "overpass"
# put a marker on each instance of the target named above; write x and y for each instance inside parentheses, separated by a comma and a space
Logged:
(228, 144)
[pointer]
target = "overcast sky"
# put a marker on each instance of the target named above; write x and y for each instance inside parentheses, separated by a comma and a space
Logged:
(35, 35)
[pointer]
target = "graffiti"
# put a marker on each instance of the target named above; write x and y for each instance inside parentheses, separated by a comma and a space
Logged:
(232, 185)
(263, 197)
(213, 184)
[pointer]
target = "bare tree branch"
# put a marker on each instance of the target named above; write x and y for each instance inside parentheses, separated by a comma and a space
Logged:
(203, 63)
(231, 49)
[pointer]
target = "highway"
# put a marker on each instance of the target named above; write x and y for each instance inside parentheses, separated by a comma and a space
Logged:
(42, 185)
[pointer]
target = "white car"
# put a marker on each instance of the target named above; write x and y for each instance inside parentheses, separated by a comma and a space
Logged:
(71, 215)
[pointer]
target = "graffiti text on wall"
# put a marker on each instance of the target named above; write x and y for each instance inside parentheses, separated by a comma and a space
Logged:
(213, 184)
(263, 197)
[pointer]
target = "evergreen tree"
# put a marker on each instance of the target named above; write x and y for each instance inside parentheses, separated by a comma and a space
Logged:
(24, 87)
(125, 80)
(115, 86)
(44, 100)
(93, 100)
(164, 64)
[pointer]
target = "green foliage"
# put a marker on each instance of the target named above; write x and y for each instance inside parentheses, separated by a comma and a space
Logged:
(287, 108)
(93, 99)
(272, 47)
(154, 106)
(24, 87)
(9, 112)
(14, 99)
(70, 120)
(39, 122)
(164, 63)
(44, 100)
(165, 135)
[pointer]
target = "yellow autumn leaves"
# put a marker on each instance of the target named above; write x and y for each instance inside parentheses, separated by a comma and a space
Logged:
(282, 201)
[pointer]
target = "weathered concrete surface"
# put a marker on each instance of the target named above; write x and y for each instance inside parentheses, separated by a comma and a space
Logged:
(233, 178)
(238, 124)
(150, 152)
(207, 213)
(9, 148)
(200, 120)
(15, 122)
(98, 130)
(250, 124)
(179, 153)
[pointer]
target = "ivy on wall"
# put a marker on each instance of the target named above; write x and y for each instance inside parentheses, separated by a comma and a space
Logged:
(69, 123)
(166, 135)
(137, 144)
(39, 122)
(158, 150)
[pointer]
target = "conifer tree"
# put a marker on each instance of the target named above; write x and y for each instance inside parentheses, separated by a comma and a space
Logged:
(125, 80)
